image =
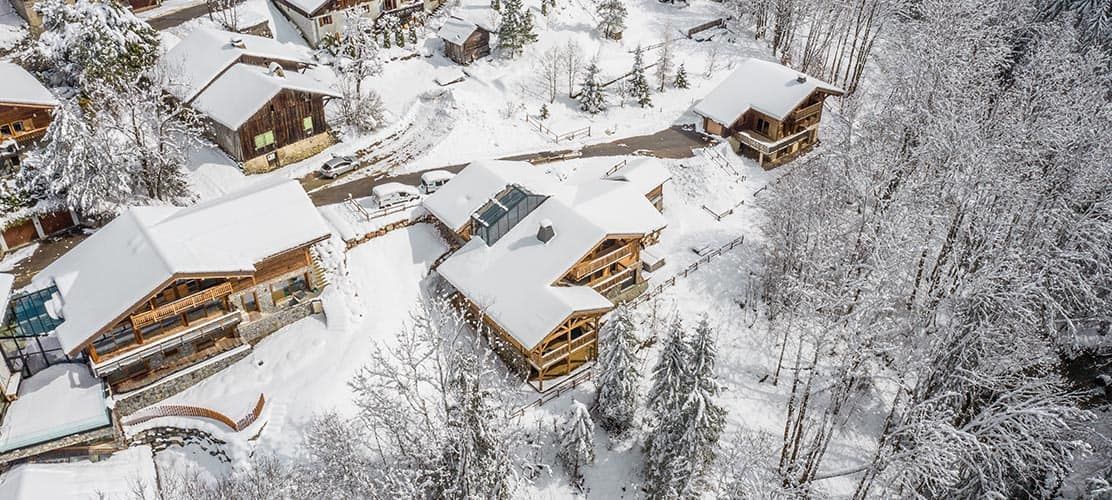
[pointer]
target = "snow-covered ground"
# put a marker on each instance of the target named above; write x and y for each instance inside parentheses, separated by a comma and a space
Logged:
(126, 475)
(12, 27)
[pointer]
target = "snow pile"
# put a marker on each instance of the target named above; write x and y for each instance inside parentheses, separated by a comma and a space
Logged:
(123, 476)
(61, 400)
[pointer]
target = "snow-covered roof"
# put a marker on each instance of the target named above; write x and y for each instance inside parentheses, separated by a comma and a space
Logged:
(58, 401)
(243, 90)
(645, 174)
(454, 203)
(457, 30)
(139, 252)
(309, 7)
(114, 478)
(513, 280)
(202, 56)
(770, 88)
(17, 86)
(6, 281)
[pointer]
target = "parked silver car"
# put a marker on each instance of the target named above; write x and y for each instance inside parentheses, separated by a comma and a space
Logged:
(337, 166)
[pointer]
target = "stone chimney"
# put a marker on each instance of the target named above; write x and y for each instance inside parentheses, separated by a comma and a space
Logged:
(546, 231)
(237, 42)
(801, 78)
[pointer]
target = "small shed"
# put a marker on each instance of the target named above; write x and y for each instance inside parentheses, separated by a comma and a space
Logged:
(464, 41)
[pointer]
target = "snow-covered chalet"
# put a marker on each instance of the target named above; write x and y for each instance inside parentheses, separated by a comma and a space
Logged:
(768, 111)
(261, 106)
(539, 261)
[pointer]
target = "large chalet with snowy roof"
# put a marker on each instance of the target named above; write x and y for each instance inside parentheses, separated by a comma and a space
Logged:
(768, 111)
(160, 289)
(25, 105)
(321, 20)
(261, 107)
(540, 261)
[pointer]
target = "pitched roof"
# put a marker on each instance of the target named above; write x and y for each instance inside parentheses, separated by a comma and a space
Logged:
(308, 7)
(133, 256)
(770, 88)
(202, 56)
(513, 280)
(243, 90)
(17, 86)
(457, 31)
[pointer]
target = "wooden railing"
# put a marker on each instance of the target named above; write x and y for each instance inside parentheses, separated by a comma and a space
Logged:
(181, 305)
(609, 283)
(198, 412)
(583, 269)
(550, 358)
(694, 266)
(807, 112)
(618, 166)
(567, 136)
(747, 138)
(555, 392)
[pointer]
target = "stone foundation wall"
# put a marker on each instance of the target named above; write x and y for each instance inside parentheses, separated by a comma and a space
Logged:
(291, 153)
(126, 405)
(161, 438)
(257, 330)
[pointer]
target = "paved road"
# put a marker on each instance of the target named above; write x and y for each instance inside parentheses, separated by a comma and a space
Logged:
(673, 142)
(175, 18)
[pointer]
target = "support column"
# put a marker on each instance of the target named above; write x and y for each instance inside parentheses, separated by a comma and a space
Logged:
(38, 227)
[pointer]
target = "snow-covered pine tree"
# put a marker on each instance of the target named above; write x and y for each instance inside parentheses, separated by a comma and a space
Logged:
(638, 85)
(79, 165)
(681, 78)
(701, 420)
(577, 446)
(544, 112)
(611, 15)
(516, 28)
(92, 41)
(618, 377)
(544, 8)
(591, 97)
(670, 376)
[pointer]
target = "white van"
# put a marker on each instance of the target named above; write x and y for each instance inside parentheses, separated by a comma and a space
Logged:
(433, 179)
(394, 193)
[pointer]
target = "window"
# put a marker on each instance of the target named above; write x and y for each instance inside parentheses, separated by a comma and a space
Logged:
(324, 21)
(762, 126)
(264, 139)
(307, 124)
(5, 130)
(288, 287)
(250, 302)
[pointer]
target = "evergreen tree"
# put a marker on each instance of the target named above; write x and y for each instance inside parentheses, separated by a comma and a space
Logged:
(544, 8)
(516, 29)
(638, 85)
(611, 15)
(90, 41)
(78, 165)
(681, 78)
(544, 111)
(619, 379)
(577, 447)
(412, 33)
(670, 377)
(591, 97)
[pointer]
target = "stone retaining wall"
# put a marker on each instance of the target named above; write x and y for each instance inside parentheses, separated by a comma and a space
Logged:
(127, 405)
(161, 438)
(257, 330)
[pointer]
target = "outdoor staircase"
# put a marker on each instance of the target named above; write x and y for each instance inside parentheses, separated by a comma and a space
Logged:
(318, 272)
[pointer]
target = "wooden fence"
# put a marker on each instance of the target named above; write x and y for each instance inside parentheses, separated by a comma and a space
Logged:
(652, 292)
(536, 123)
(197, 412)
(615, 168)
(717, 23)
(556, 392)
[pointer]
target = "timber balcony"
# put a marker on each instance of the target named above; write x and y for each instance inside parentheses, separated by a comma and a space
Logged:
(764, 145)
(212, 325)
(807, 112)
(613, 283)
(545, 360)
(584, 269)
(184, 304)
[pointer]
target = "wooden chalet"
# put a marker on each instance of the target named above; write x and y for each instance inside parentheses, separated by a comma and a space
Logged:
(464, 41)
(161, 289)
(539, 262)
(25, 105)
(769, 112)
(261, 110)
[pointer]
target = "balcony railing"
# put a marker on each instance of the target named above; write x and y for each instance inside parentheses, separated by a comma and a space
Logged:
(807, 112)
(769, 147)
(585, 268)
(606, 286)
(139, 320)
(118, 360)
(548, 359)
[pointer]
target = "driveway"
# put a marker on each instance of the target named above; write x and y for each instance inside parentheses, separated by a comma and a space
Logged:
(673, 143)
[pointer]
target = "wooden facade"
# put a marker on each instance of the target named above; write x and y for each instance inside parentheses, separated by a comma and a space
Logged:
(35, 227)
(476, 46)
(194, 317)
(770, 141)
(23, 123)
(289, 117)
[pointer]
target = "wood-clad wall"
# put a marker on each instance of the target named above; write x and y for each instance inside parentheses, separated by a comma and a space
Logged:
(283, 115)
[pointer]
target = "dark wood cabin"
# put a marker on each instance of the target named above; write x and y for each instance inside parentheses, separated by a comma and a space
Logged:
(464, 42)
(290, 117)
